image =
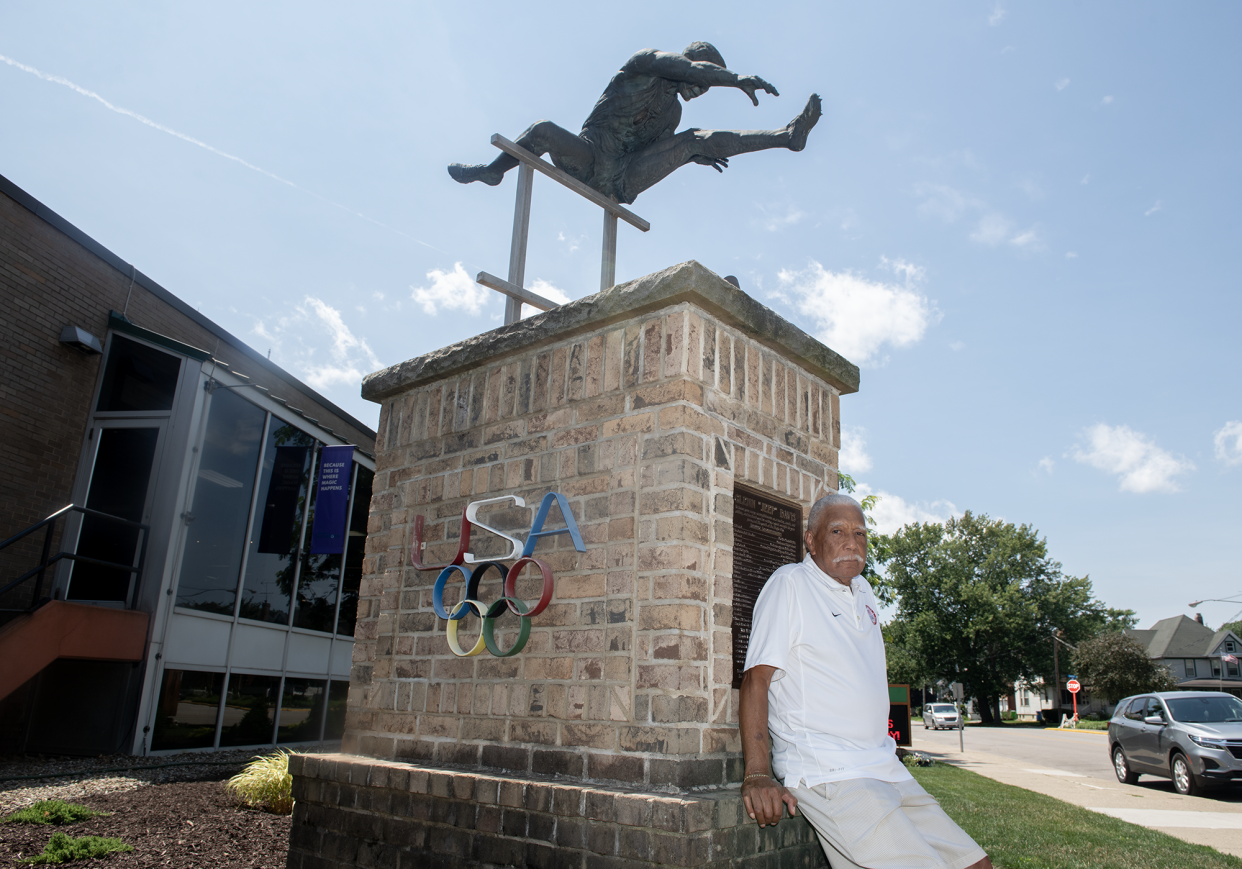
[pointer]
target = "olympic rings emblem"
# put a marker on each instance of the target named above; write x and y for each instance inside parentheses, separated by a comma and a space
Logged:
(509, 601)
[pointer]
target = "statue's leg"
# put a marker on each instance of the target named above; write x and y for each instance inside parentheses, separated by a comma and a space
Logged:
(715, 147)
(542, 137)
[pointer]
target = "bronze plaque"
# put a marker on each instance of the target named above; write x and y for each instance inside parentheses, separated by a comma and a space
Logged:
(767, 534)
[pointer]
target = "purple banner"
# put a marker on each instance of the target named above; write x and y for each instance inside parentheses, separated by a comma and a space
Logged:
(332, 500)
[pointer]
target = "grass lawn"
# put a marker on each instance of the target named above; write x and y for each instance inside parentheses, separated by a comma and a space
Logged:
(1021, 829)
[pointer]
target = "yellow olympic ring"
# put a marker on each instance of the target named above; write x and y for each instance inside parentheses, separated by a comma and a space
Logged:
(450, 632)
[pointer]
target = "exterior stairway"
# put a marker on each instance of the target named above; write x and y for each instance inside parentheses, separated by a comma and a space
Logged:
(68, 630)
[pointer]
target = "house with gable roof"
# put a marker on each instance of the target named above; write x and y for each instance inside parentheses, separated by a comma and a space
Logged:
(1193, 653)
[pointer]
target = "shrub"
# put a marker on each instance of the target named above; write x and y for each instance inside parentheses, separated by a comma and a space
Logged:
(64, 848)
(55, 812)
(265, 783)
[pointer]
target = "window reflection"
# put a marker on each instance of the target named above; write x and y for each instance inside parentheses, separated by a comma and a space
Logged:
(138, 377)
(217, 532)
(250, 710)
(338, 693)
(186, 717)
(355, 550)
(301, 710)
(277, 530)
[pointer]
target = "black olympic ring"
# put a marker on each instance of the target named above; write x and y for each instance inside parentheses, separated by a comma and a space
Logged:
(509, 600)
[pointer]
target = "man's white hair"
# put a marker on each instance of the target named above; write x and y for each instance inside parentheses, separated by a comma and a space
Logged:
(832, 499)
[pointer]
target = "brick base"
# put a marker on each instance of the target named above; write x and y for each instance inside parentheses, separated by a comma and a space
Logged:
(354, 811)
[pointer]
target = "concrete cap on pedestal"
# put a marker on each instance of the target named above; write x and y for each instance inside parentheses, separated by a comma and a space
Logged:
(688, 282)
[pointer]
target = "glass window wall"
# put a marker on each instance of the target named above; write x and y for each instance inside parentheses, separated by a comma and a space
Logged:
(276, 534)
(301, 710)
(355, 550)
(338, 692)
(250, 710)
(221, 508)
(138, 377)
(189, 702)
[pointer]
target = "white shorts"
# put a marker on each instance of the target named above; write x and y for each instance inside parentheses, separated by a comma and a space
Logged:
(864, 823)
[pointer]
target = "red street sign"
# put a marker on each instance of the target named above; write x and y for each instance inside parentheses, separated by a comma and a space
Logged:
(1073, 685)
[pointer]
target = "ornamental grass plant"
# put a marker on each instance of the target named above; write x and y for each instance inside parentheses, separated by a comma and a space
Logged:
(265, 784)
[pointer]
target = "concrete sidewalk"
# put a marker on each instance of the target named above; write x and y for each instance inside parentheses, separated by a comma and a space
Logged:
(1152, 803)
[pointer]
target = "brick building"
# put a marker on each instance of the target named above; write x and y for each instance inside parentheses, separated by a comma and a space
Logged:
(187, 609)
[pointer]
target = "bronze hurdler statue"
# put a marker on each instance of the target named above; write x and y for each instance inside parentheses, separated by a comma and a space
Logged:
(630, 143)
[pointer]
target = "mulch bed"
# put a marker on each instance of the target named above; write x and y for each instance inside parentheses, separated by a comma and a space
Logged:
(180, 824)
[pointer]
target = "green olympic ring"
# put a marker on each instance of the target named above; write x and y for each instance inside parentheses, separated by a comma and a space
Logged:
(487, 632)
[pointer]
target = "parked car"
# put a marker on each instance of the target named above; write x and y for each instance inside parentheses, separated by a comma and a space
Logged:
(1191, 737)
(938, 715)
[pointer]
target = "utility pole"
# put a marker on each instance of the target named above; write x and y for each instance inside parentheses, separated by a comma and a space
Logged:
(1056, 670)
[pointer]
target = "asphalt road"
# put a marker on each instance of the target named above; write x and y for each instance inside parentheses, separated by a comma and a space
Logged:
(1081, 752)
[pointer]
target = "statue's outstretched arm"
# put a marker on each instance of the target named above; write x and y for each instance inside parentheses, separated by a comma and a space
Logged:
(678, 67)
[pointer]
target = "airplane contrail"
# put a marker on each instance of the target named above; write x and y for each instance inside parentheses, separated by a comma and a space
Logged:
(56, 79)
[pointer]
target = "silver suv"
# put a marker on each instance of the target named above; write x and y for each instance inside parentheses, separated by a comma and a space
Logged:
(1191, 737)
(938, 715)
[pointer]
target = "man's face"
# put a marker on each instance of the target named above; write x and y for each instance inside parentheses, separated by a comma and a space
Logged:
(839, 542)
(689, 91)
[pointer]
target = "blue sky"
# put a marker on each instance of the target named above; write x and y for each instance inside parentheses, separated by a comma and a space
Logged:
(1019, 220)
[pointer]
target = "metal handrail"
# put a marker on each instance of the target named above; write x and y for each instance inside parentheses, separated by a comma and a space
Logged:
(46, 560)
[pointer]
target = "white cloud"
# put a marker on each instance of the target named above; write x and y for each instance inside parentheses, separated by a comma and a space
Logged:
(548, 291)
(1028, 239)
(1061, 84)
(1069, 254)
(453, 290)
(942, 201)
(1108, 100)
(957, 346)
(298, 342)
(1141, 465)
(998, 15)
(992, 230)
(854, 459)
(855, 316)
(573, 243)
(778, 218)
(1046, 464)
(1159, 206)
(1228, 440)
(893, 511)
(1086, 179)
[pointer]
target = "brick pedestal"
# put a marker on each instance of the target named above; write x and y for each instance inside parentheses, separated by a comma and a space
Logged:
(353, 811)
(643, 405)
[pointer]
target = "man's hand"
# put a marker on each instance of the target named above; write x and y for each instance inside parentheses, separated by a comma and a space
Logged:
(717, 163)
(765, 800)
(751, 83)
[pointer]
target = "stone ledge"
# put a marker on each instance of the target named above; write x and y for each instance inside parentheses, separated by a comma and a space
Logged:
(354, 811)
(688, 282)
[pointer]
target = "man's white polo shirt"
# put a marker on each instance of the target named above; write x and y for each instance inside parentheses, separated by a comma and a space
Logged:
(828, 704)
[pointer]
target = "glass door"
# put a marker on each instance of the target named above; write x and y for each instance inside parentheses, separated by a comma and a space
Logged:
(124, 462)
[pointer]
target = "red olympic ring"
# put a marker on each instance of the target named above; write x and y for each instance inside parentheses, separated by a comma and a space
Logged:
(511, 585)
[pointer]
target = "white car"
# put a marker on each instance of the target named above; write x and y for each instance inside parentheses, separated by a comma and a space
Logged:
(938, 715)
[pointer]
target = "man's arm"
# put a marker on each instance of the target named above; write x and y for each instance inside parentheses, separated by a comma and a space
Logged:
(678, 67)
(765, 798)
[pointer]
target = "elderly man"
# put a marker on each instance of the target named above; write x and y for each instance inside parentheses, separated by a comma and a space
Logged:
(816, 678)
(630, 143)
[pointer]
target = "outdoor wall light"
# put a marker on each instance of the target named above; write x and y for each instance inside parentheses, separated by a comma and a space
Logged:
(80, 339)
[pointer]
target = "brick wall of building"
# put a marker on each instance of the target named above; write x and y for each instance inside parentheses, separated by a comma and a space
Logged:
(645, 425)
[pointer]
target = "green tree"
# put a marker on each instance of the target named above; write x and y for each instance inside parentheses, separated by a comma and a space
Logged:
(978, 600)
(1113, 666)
